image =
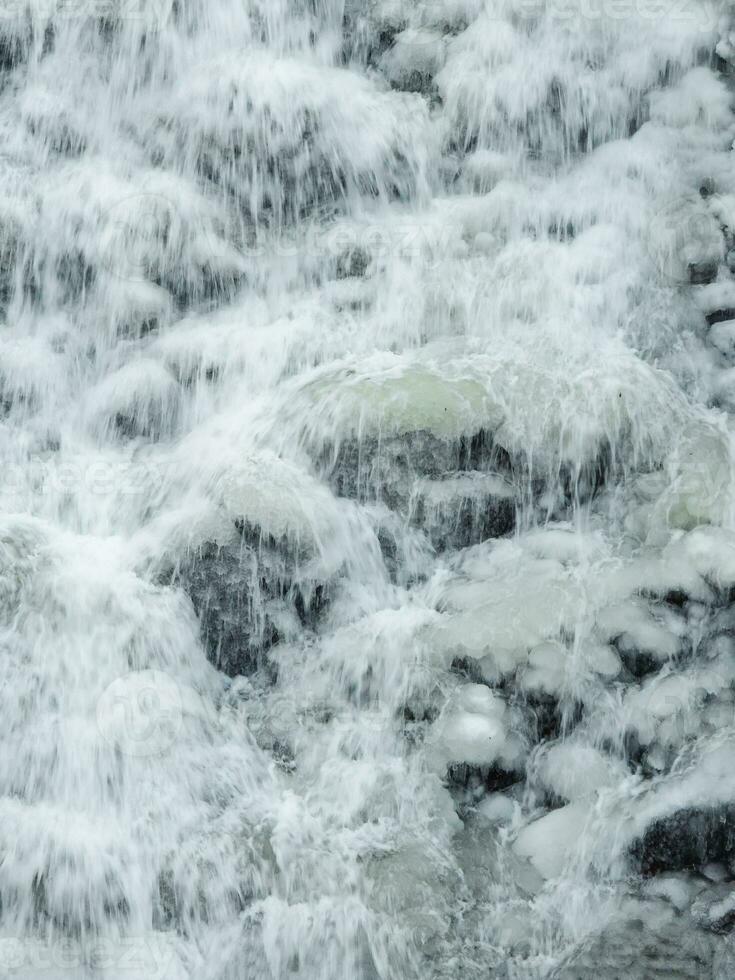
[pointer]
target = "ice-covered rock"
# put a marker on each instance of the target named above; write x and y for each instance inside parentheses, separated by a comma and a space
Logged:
(257, 564)
(140, 399)
(572, 770)
(315, 135)
(472, 729)
(643, 641)
(722, 335)
(414, 58)
(550, 842)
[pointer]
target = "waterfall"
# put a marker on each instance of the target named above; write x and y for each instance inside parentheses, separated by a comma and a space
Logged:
(367, 499)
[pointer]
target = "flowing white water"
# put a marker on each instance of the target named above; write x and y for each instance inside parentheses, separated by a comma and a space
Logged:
(367, 544)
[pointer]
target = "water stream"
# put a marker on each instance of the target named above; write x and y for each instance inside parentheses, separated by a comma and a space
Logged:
(367, 500)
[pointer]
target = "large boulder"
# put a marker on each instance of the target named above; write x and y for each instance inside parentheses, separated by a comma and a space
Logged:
(284, 136)
(246, 601)
(687, 839)
(254, 556)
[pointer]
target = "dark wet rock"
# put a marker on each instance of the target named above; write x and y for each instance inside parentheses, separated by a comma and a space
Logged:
(581, 484)
(548, 718)
(277, 159)
(150, 426)
(75, 274)
(545, 717)
(720, 315)
(468, 668)
(372, 32)
(404, 549)
(367, 36)
(16, 37)
(199, 286)
(8, 257)
(414, 81)
(164, 903)
(459, 511)
(638, 663)
(224, 590)
(151, 416)
(458, 492)
(55, 908)
(353, 263)
(701, 273)
(371, 469)
(245, 598)
(418, 712)
(687, 839)
(677, 598)
(478, 780)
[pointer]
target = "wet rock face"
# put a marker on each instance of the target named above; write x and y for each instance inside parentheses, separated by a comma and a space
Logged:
(372, 469)
(688, 839)
(15, 43)
(458, 492)
(639, 663)
(223, 588)
(457, 512)
(479, 780)
(246, 601)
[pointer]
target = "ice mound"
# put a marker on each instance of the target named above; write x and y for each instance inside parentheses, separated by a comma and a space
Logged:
(397, 395)
(573, 771)
(487, 615)
(550, 842)
(701, 474)
(472, 730)
(454, 398)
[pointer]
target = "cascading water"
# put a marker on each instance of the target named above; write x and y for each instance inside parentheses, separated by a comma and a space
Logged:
(367, 547)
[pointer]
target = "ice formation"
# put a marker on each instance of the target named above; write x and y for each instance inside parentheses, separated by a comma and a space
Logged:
(367, 500)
